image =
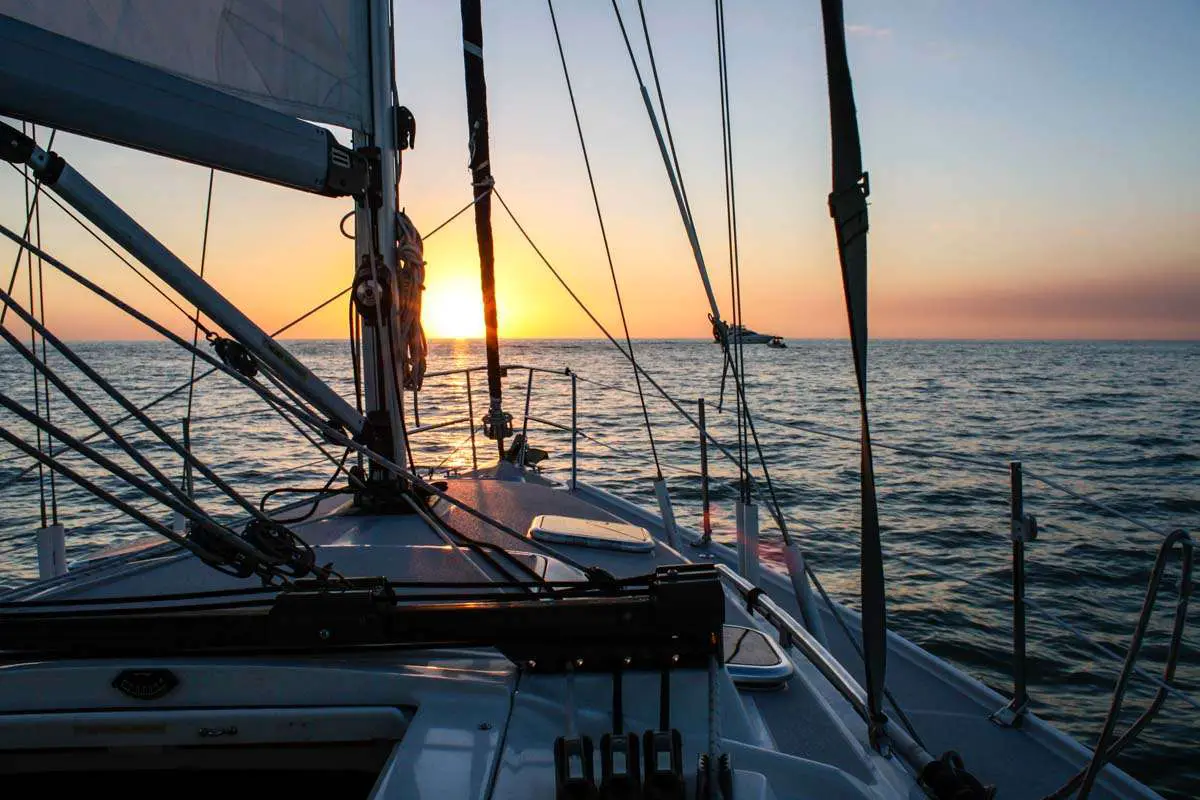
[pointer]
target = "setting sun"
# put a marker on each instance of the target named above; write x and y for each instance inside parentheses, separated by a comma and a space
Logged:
(453, 309)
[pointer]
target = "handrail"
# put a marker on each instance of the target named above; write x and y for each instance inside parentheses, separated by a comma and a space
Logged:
(794, 634)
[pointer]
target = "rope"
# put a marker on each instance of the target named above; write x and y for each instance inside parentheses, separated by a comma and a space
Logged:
(604, 237)
(172, 392)
(121, 257)
(410, 283)
(662, 104)
(299, 412)
(30, 208)
(196, 320)
(904, 720)
(30, 213)
(461, 211)
(82, 365)
(731, 233)
(775, 508)
(41, 282)
(600, 326)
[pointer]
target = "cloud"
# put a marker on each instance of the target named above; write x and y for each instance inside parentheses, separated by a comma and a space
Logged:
(1153, 303)
(869, 31)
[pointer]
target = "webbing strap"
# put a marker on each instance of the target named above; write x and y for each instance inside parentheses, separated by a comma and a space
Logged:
(848, 206)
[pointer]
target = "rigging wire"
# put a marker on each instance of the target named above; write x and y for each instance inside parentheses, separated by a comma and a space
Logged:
(731, 238)
(30, 207)
(172, 392)
(41, 282)
(196, 320)
(774, 508)
(226, 536)
(99, 238)
(735, 269)
(116, 395)
(662, 103)
(274, 402)
(604, 237)
(30, 212)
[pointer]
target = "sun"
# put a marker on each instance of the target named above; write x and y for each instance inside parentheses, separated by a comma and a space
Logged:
(452, 309)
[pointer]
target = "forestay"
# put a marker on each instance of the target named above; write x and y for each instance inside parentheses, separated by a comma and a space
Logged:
(305, 58)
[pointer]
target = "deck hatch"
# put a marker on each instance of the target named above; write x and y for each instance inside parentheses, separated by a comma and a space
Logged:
(591, 533)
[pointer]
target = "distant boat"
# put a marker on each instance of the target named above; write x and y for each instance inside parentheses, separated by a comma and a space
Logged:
(777, 342)
(742, 334)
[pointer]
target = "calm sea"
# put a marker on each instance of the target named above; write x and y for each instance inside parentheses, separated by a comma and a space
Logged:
(1117, 420)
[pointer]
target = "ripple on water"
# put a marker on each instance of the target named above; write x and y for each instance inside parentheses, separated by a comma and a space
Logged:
(1119, 419)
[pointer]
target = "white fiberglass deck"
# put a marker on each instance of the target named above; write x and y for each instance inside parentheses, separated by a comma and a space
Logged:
(804, 730)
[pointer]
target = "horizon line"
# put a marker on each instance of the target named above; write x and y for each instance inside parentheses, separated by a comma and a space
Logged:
(1013, 339)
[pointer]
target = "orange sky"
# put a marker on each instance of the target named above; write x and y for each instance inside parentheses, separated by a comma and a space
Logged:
(1008, 201)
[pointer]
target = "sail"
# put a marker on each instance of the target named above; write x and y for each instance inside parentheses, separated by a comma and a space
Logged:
(305, 58)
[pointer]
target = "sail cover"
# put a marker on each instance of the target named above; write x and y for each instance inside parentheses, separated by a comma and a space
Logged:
(306, 58)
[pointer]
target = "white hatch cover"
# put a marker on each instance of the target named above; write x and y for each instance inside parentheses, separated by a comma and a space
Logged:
(590, 533)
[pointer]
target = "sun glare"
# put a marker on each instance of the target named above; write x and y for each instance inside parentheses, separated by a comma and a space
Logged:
(453, 310)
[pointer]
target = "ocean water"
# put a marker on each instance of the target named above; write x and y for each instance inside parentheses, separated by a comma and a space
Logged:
(1117, 420)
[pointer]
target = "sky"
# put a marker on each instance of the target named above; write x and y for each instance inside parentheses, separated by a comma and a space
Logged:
(1033, 167)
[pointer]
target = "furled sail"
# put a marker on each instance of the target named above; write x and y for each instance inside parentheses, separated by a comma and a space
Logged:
(305, 58)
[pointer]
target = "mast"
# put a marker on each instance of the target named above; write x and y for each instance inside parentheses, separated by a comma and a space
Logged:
(497, 424)
(375, 291)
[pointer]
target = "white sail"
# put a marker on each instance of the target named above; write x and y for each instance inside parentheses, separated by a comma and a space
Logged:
(306, 58)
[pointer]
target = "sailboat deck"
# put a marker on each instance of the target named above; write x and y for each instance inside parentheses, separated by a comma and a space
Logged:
(946, 707)
(805, 719)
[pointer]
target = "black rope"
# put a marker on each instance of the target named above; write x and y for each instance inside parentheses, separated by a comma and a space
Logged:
(123, 260)
(299, 412)
(30, 209)
(604, 236)
(172, 392)
(114, 468)
(858, 649)
(735, 273)
(116, 395)
(319, 494)
(117, 439)
(45, 380)
(730, 362)
(30, 213)
(662, 103)
(196, 320)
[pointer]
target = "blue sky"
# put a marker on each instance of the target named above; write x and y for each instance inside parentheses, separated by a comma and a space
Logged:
(1033, 168)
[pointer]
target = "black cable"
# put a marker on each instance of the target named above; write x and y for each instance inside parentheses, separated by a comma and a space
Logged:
(858, 649)
(320, 493)
(172, 392)
(83, 406)
(42, 318)
(662, 104)
(30, 208)
(737, 648)
(37, 403)
(604, 234)
(120, 398)
(735, 277)
(354, 324)
(113, 500)
(122, 258)
(478, 547)
(196, 319)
